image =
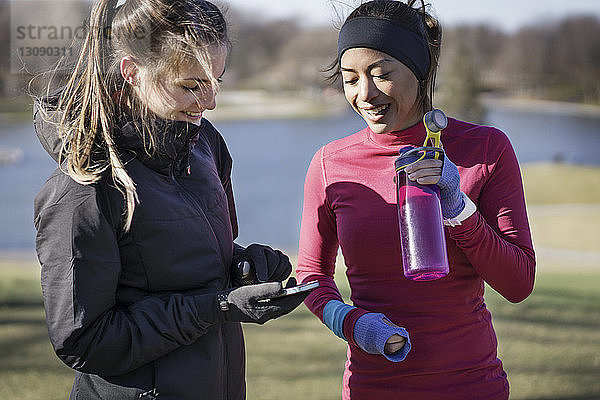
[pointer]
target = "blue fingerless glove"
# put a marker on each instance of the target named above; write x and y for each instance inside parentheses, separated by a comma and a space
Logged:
(451, 198)
(333, 316)
(371, 333)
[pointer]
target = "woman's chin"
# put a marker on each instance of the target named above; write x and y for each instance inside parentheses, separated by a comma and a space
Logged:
(379, 128)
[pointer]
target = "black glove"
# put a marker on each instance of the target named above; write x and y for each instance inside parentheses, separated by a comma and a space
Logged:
(266, 265)
(257, 303)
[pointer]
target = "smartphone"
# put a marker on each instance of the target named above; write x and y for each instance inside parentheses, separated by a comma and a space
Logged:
(303, 287)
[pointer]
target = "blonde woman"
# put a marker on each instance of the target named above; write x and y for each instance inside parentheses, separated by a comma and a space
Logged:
(135, 228)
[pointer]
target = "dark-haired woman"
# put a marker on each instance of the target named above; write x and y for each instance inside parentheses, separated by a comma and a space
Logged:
(135, 228)
(406, 339)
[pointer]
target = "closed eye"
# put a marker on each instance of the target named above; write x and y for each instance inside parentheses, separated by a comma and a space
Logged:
(384, 76)
(201, 85)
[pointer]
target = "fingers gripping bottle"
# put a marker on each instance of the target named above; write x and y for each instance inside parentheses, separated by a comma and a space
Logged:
(422, 239)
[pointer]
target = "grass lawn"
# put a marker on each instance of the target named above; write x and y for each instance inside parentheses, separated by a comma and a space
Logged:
(550, 343)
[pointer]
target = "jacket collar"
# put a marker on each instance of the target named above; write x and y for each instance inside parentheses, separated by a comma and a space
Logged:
(174, 141)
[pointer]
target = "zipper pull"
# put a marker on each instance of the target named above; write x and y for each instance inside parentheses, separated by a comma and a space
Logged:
(188, 168)
(151, 394)
(185, 163)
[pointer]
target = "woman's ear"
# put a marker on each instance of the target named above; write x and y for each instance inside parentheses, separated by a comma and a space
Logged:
(129, 70)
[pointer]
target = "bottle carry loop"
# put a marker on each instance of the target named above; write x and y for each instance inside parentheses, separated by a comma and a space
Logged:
(416, 154)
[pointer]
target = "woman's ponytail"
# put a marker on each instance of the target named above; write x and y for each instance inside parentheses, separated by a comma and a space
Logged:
(88, 109)
(432, 29)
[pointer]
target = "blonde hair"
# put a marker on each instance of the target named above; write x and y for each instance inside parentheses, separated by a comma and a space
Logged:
(159, 35)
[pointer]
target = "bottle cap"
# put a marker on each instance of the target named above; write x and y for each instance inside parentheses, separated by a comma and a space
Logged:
(435, 120)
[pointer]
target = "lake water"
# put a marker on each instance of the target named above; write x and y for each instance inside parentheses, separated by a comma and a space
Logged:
(270, 161)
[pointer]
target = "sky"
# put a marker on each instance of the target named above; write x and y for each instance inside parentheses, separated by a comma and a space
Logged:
(508, 15)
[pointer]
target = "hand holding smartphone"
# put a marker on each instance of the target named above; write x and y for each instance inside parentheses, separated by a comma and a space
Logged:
(292, 290)
(303, 287)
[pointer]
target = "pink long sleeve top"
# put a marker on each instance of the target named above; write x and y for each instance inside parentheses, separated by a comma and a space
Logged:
(350, 202)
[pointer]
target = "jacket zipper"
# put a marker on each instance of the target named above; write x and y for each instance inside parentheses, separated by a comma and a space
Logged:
(191, 198)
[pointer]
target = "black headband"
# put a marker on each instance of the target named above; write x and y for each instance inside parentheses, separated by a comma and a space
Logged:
(384, 35)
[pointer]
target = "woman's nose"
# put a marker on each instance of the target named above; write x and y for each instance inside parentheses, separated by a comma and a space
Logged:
(367, 89)
(208, 99)
(212, 101)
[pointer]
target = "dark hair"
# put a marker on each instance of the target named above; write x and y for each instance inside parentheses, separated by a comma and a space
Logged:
(416, 19)
(160, 35)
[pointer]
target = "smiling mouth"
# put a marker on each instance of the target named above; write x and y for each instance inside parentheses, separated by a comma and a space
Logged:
(376, 111)
(192, 115)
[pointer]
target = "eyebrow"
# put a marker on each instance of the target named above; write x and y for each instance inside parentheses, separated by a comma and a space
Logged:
(199, 79)
(193, 79)
(370, 67)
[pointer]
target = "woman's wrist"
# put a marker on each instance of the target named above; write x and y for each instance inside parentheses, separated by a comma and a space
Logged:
(468, 210)
(451, 198)
(334, 314)
(340, 318)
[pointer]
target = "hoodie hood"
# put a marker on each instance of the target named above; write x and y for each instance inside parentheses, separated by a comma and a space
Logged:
(45, 123)
(174, 140)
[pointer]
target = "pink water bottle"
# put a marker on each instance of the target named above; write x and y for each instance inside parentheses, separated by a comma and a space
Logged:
(422, 239)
